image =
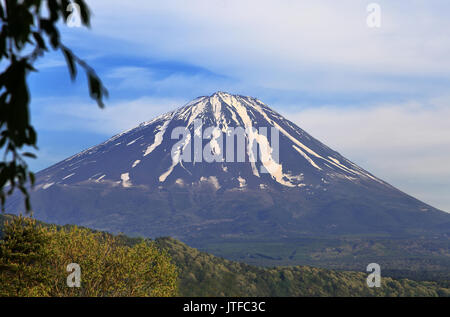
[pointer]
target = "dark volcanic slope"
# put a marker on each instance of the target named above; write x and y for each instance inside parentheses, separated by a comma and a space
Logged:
(131, 183)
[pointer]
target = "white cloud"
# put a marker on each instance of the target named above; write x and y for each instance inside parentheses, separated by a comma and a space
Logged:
(131, 77)
(272, 42)
(50, 62)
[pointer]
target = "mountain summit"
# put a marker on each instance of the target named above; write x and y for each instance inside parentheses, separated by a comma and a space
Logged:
(224, 166)
(144, 155)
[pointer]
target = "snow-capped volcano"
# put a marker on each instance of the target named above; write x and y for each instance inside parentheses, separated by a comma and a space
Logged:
(149, 155)
(223, 165)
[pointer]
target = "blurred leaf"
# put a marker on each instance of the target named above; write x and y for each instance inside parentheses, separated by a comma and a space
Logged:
(39, 41)
(51, 31)
(64, 5)
(96, 89)
(19, 23)
(3, 37)
(28, 154)
(32, 178)
(2, 13)
(85, 14)
(27, 201)
(70, 62)
(53, 9)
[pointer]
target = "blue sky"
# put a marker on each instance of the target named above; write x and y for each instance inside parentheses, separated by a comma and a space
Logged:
(380, 96)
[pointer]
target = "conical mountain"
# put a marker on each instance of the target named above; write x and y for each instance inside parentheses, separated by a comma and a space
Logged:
(224, 166)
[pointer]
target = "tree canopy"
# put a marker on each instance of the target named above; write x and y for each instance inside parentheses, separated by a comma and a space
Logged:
(34, 260)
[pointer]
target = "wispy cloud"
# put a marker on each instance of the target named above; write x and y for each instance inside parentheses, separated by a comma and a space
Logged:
(285, 37)
(79, 115)
(131, 77)
(406, 144)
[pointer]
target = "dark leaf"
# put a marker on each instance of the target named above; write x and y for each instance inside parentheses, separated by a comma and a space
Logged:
(3, 37)
(32, 136)
(2, 13)
(70, 62)
(64, 6)
(51, 31)
(20, 21)
(27, 203)
(39, 41)
(96, 89)
(84, 12)
(32, 178)
(2, 199)
(53, 9)
(28, 154)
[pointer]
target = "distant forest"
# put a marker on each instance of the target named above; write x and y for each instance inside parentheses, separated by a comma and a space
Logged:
(34, 256)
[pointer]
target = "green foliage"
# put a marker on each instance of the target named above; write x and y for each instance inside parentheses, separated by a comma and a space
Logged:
(108, 267)
(34, 258)
(22, 255)
(203, 274)
(199, 274)
(25, 35)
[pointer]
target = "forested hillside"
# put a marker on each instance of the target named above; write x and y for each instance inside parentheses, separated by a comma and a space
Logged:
(51, 261)
(199, 273)
(203, 274)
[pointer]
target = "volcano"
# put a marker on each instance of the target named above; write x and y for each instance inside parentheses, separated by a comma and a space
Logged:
(176, 176)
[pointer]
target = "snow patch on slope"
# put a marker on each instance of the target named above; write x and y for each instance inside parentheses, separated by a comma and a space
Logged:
(47, 185)
(66, 177)
(135, 163)
(158, 138)
(242, 182)
(211, 180)
(275, 169)
(306, 157)
(129, 143)
(125, 177)
(176, 155)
